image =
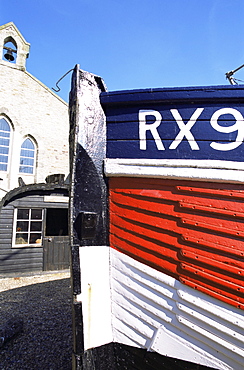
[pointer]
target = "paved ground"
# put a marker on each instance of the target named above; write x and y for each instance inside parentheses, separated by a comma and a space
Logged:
(43, 302)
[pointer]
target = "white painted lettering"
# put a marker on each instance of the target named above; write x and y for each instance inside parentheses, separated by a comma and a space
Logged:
(238, 126)
(152, 127)
(185, 129)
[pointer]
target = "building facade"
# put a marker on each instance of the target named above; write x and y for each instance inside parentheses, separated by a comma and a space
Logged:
(34, 131)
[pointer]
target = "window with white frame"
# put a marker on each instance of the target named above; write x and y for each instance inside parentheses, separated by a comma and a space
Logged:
(5, 132)
(28, 226)
(27, 157)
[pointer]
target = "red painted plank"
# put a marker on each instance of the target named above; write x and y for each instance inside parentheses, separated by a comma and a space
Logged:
(205, 288)
(227, 193)
(140, 254)
(193, 231)
(206, 258)
(217, 247)
(216, 199)
(223, 226)
(210, 209)
(220, 280)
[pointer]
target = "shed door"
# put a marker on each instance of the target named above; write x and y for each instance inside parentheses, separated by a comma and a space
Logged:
(56, 240)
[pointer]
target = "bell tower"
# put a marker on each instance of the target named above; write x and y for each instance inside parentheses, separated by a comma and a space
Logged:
(13, 48)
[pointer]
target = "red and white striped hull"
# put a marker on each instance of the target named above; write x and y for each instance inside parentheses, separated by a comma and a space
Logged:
(166, 284)
(157, 235)
(128, 302)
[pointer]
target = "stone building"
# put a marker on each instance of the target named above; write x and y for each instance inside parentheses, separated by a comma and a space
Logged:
(34, 132)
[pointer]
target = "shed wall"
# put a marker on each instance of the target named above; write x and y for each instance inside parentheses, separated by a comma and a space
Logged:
(20, 259)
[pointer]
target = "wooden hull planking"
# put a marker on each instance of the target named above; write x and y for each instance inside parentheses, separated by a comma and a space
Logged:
(157, 231)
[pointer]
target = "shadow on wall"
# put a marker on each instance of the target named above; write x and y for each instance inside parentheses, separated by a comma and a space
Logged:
(46, 340)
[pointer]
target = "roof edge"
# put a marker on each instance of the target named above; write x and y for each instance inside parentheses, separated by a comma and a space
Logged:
(45, 87)
(6, 25)
(32, 188)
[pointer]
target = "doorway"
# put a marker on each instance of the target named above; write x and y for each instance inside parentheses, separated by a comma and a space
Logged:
(56, 254)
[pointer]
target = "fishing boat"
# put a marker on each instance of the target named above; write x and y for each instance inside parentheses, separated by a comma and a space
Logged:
(157, 226)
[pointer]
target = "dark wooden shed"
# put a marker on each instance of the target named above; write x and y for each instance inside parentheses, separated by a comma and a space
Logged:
(34, 229)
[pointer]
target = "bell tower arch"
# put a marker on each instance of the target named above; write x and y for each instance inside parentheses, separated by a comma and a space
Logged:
(14, 50)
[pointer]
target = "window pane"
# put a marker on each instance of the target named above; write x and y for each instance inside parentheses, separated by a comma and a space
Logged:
(25, 169)
(3, 158)
(27, 153)
(4, 150)
(36, 226)
(26, 161)
(23, 214)
(36, 214)
(27, 144)
(4, 125)
(22, 226)
(21, 238)
(3, 167)
(4, 134)
(4, 142)
(35, 238)
(29, 226)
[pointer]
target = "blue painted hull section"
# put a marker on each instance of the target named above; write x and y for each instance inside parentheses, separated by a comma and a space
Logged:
(208, 115)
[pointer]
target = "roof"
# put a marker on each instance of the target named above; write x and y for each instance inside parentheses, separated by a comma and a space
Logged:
(33, 189)
(12, 25)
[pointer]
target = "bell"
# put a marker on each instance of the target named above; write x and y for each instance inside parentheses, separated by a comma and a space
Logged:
(9, 55)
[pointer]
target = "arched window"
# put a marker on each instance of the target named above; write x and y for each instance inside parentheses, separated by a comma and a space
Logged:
(5, 132)
(27, 157)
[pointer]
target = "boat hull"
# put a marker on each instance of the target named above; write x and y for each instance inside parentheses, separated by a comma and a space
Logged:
(190, 230)
(128, 303)
(156, 225)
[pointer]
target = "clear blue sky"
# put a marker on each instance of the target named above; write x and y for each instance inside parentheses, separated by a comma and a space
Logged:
(131, 43)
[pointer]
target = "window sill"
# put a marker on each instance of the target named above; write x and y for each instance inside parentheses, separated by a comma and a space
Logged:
(26, 174)
(27, 245)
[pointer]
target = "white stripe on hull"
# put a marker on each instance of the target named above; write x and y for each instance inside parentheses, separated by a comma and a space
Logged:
(128, 302)
(203, 170)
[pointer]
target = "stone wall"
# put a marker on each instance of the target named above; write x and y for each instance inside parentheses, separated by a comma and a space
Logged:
(33, 111)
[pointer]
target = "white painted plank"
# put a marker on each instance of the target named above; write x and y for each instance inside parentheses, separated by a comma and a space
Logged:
(182, 322)
(128, 302)
(95, 296)
(211, 170)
